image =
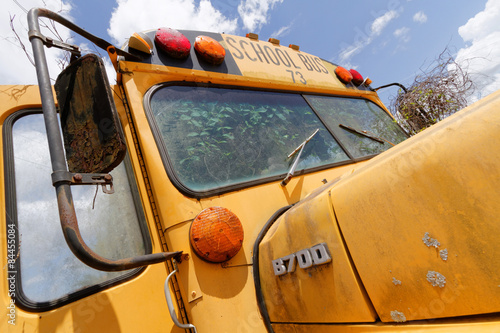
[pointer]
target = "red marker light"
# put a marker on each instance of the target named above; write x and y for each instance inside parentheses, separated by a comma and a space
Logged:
(173, 43)
(357, 79)
(210, 49)
(343, 74)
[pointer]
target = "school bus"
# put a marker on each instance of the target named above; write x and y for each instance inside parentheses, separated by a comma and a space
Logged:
(229, 184)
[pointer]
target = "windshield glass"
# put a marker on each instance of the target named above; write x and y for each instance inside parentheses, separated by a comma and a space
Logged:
(217, 137)
(347, 117)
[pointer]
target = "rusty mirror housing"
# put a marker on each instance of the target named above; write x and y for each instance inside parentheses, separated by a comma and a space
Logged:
(92, 133)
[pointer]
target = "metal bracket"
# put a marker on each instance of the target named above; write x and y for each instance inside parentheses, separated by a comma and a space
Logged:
(49, 42)
(104, 179)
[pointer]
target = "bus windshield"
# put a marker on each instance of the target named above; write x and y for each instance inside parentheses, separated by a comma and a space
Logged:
(216, 137)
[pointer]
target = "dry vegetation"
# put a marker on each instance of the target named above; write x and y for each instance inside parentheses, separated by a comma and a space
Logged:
(441, 90)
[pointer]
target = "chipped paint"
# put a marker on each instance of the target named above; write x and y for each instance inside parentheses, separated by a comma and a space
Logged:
(430, 241)
(444, 254)
(436, 279)
(398, 317)
(396, 281)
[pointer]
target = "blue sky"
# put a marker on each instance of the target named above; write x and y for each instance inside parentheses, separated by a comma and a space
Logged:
(388, 41)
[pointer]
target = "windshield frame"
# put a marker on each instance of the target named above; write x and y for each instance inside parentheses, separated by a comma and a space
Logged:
(169, 167)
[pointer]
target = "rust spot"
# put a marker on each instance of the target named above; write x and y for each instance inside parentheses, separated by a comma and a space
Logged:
(436, 279)
(398, 317)
(430, 241)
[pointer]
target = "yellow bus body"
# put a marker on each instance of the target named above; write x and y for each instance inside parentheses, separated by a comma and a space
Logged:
(373, 214)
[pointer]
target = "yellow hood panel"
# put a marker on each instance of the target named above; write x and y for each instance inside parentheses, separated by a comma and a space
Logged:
(324, 293)
(422, 222)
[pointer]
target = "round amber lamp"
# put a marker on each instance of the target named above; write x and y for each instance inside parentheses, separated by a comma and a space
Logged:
(216, 234)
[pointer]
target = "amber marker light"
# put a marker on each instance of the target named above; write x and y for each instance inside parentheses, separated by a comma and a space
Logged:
(141, 42)
(210, 49)
(216, 234)
(357, 79)
(173, 43)
(343, 74)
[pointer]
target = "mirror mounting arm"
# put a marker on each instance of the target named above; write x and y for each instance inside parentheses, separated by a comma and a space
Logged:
(104, 179)
(61, 176)
(49, 42)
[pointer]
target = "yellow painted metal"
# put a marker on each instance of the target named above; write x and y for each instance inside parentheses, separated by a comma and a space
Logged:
(259, 60)
(126, 307)
(18, 97)
(147, 75)
(383, 229)
(488, 324)
(328, 293)
(441, 185)
(212, 290)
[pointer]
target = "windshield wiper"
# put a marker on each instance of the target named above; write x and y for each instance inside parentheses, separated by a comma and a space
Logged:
(299, 149)
(365, 134)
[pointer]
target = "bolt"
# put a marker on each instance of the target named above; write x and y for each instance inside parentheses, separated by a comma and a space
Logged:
(78, 177)
(107, 177)
(185, 256)
(193, 294)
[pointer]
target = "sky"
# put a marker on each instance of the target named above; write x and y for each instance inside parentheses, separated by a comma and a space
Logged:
(387, 41)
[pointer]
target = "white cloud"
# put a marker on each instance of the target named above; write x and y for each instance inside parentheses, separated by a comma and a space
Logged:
(130, 16)
(482, 56)
(254, 13)
(283, 31)
(15, 67)
(382, 21)
(420, 17)
(402, 34)
(364, 39)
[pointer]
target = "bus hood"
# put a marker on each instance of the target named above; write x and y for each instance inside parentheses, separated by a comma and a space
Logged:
(412, 234)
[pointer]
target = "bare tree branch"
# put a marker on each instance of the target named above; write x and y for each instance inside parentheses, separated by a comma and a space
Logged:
(441, 90)
(19, 41)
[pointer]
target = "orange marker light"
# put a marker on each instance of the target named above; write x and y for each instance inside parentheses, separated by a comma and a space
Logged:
(343, 74)
(216, 234)
(210, 49)
(357, 79)
(139, 41)
(173, 43)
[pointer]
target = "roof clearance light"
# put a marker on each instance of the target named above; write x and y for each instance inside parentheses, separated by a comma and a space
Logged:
(343, 74)
(216, 234)
(357, 79)
(141, 42)
(173, 43)
(210, 49)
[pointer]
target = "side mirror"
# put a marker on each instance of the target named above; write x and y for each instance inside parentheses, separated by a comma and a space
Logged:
(92, 133)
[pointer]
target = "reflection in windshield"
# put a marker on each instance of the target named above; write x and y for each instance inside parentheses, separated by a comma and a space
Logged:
(360, 115)
(217, 137)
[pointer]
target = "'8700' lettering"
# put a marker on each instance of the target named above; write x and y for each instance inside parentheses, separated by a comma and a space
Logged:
(314, 256)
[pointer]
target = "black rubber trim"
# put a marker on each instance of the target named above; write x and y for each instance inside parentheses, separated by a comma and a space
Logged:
(256, 271)
(22, 301)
